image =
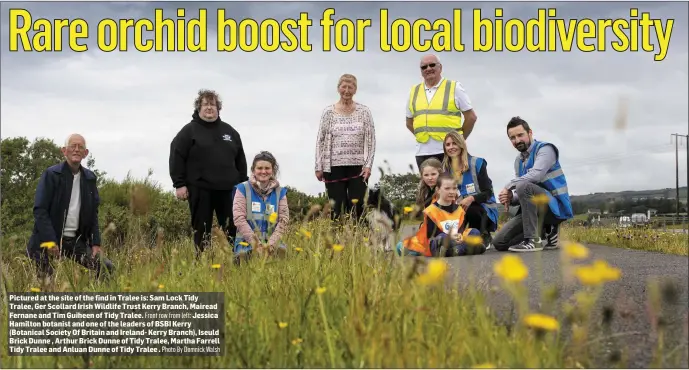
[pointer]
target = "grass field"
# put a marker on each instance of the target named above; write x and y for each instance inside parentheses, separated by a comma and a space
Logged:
(333, 302)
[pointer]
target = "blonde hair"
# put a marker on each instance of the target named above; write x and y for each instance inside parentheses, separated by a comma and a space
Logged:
(347, 78)
(422, 190)
(462, 163)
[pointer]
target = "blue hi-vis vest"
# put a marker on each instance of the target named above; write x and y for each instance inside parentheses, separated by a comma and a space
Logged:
(470, 186)
(555, 182)
(258, 210)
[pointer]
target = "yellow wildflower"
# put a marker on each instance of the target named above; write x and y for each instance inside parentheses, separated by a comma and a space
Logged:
(473, 240)
(365, 240)
(540, 199)
(338, 247)
(298, 249)
(305, 232)
(511, 268)
(575, 250)
(35, 290)
(408, 209)
(48, 245)
(243, 244)
(296, 341)
(161, 286)
(215, 266)
(282, 325)
(273, 218)
(435, 272)
(320, 290)
(597, 273)
(541, 321)
(355, 201)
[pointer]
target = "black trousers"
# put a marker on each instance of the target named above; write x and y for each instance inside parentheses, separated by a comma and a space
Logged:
(76, 250)
(477, 218)
(342, 192)
(421, 158)
(202, 204)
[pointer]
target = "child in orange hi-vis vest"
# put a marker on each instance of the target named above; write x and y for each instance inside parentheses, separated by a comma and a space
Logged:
(443, 232)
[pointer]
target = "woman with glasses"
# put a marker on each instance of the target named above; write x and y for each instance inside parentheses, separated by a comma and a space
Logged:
(474, 185)
(260, 210)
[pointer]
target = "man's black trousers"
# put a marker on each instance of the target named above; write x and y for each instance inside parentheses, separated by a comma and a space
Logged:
(202, 203)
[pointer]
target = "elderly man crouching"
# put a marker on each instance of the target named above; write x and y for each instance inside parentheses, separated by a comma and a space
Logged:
(66, 214)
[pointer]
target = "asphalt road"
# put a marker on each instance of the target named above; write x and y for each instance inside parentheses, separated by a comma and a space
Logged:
(628, 297)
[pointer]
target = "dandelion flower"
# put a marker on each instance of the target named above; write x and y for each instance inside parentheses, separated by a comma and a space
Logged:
(48, 245)
(296, 341)
(473, 240)
(243, 244)
(298, 249)
(273, 218)
(282, 325)
(540, 199)
(305, 233)
(597, 273)
(338, 247)
(35, 290)
(408, 209)
(435, 272)
(511, 268)
(355, 201)
(215, 266)
(542, 322)
(575, 250)
(161, 286)
(320, 290)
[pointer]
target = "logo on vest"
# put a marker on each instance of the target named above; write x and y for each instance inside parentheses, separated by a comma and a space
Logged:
(450, 226)
(227, 137)
(471, 188)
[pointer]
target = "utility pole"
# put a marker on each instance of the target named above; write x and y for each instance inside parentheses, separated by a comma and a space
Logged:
(677, 136)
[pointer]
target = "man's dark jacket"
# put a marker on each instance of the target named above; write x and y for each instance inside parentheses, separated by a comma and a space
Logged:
(51, 204)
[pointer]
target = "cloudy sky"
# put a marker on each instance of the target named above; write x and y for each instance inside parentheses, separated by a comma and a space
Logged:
(129, 105)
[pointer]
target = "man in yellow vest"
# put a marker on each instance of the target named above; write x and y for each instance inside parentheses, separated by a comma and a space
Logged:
(435, 107)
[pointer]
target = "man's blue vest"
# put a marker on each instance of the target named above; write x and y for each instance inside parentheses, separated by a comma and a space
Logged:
(470, 186)
(258, 211)
(554, 181)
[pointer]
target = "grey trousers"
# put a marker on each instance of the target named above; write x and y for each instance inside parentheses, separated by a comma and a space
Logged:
(525, 224)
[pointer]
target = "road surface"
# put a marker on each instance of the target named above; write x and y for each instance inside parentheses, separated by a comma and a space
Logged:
(628, 295)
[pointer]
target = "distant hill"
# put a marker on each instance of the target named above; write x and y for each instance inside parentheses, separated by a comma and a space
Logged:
(631, 195)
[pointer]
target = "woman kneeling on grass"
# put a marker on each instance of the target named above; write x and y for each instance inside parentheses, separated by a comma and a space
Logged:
(260, 210)
(444, 232)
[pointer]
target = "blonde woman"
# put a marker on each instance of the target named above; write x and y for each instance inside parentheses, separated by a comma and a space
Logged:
(474, 185)
(345, 149)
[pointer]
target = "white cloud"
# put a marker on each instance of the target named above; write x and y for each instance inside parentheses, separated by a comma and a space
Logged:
(130, 105)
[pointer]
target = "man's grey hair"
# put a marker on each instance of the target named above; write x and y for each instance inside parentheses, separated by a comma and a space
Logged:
(69, 138)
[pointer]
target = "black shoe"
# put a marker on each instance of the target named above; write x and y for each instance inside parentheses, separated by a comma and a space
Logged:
(551, 235)
(528, 245)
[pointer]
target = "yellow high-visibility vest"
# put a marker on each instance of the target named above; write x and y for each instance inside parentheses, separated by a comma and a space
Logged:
(436, 119)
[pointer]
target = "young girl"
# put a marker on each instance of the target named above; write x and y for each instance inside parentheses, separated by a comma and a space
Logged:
(444, 228)
(426, 194)
(257, 202)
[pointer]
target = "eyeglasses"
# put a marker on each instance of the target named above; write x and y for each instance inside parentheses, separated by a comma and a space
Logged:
(432, 65)
(76, 147)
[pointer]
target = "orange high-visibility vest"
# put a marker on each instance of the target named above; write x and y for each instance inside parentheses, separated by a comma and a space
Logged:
(446, 222)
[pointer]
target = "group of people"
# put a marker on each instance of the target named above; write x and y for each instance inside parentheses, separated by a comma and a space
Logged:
(208, 168)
